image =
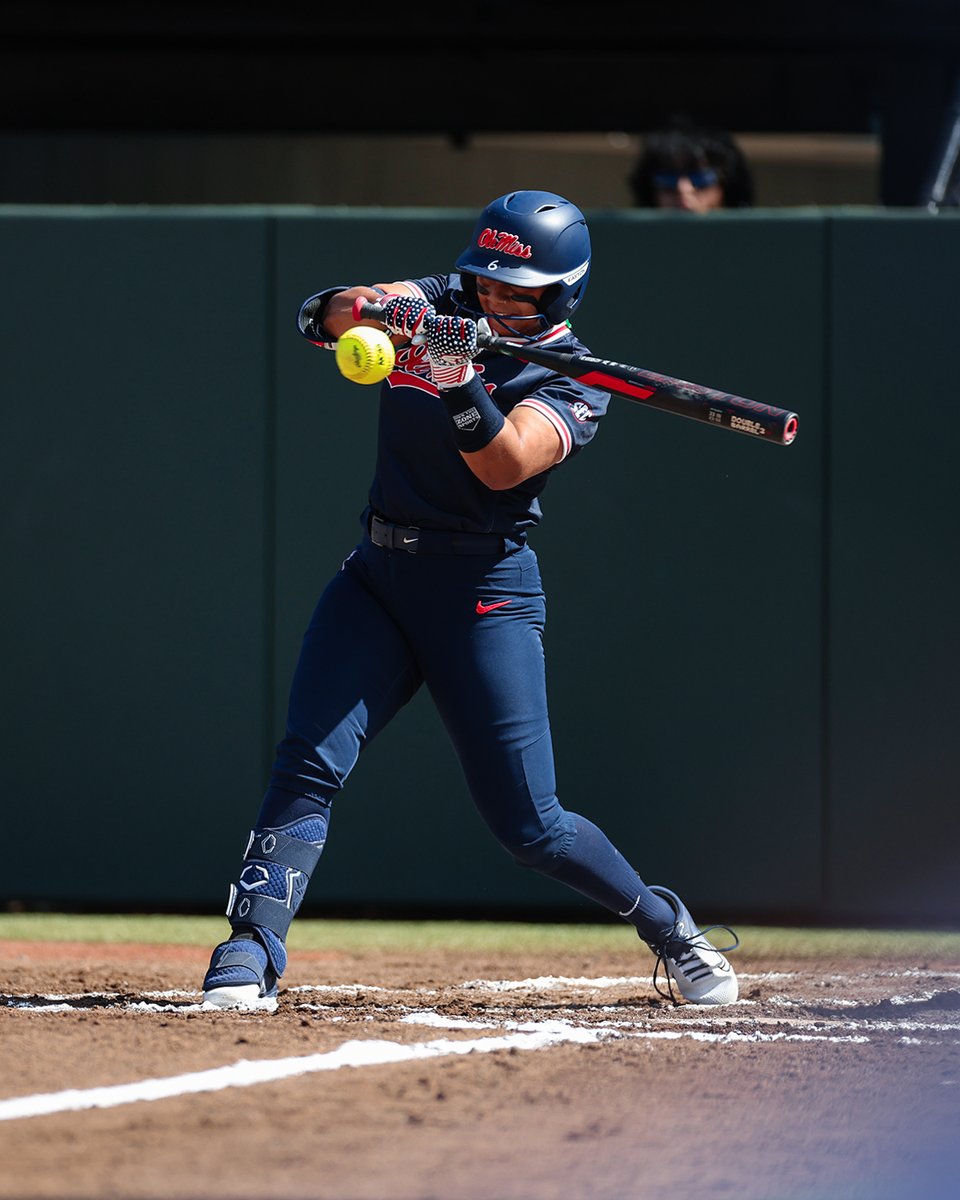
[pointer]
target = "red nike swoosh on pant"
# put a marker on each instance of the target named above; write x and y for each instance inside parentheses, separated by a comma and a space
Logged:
(485, 608)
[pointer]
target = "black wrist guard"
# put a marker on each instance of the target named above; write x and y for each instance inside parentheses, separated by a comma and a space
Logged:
(476, 419)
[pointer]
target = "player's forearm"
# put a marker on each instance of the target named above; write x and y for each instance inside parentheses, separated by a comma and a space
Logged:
(525, 446)
(338, 316)
(497, 465)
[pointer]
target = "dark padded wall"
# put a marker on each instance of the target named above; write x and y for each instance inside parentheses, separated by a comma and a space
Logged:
(894, 782)
(133, 464)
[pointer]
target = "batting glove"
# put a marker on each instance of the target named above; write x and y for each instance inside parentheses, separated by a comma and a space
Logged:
(451, 346)
(405, 314)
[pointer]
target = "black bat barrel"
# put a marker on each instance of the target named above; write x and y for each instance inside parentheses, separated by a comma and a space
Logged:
(722, 410)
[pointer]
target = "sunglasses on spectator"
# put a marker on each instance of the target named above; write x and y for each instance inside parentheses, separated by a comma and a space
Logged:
(699, 179)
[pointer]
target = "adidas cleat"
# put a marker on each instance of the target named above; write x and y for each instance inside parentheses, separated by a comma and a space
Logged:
(701, 974)
(240, 977)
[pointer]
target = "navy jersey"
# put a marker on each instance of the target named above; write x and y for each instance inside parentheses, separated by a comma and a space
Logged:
(421, 480)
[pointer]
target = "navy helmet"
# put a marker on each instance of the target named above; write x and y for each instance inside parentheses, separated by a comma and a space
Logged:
(530, 239)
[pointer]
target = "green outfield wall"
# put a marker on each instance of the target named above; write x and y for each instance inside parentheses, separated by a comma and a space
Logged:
(753, 651)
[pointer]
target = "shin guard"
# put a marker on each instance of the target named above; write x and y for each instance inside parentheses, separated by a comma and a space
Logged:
(277, 866)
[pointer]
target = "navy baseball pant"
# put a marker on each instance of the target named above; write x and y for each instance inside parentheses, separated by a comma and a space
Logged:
(469, 627)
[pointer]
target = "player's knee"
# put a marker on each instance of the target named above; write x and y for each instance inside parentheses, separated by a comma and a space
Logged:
(545, 851)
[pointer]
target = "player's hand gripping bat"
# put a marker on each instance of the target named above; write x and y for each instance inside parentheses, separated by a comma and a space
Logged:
(720, 409)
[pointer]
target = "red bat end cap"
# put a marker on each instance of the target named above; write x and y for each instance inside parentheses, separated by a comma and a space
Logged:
(358, 305)
(790, 430)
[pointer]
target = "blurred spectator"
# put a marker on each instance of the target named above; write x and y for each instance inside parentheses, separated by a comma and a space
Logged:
(696, 170)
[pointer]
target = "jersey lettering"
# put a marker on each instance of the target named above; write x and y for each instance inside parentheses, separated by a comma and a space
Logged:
(412, 369)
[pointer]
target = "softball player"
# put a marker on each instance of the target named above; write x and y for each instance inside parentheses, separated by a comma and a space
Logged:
(443, 590)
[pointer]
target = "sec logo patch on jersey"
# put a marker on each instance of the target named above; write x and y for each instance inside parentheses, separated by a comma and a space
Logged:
(581, 411)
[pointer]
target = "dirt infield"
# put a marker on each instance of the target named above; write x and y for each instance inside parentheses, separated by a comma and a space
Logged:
(378, 1080)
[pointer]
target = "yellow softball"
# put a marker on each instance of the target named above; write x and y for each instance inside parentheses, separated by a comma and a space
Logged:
(364, 354)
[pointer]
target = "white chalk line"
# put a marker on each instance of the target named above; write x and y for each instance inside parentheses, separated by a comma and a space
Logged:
(520, 1035)
(353, 989)
(187, 1001)
(249, 1074)
(546, 983)
(57, 1002)
(631, 1029)
(836, 1030)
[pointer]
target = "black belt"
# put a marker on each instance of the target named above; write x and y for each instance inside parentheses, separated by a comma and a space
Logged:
(434, 541)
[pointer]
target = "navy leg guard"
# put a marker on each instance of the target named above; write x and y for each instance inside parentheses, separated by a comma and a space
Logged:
(277, 866)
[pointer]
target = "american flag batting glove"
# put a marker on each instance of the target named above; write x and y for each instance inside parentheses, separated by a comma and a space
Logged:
(451, 347)
(405, 314)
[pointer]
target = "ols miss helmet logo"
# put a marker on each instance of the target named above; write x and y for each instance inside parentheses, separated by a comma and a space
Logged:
(503, 243)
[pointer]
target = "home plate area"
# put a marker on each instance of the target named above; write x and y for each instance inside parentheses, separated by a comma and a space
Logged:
(422, 1078)
(911, 1006)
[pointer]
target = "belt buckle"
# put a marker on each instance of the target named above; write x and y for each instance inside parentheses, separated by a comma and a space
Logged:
(393, 537)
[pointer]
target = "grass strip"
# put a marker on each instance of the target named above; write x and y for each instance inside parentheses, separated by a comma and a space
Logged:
(409, 937)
